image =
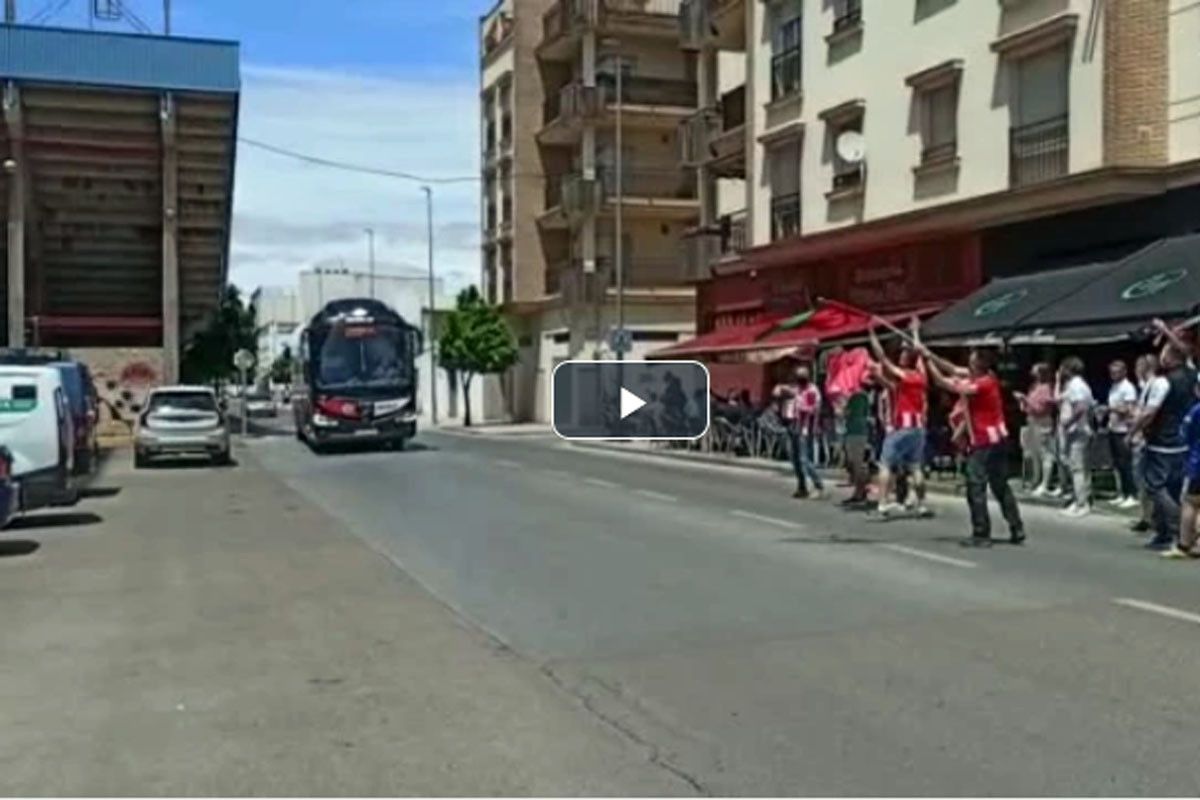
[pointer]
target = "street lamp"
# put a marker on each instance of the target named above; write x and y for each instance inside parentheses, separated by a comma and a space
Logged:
(619, 200)
(371, 259)
(432, 307)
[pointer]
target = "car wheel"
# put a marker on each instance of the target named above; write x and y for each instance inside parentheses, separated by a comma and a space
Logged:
(399, 444)
(222, 459)
(140, 460)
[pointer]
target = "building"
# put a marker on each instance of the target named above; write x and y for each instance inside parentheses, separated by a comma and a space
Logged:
(897, 152)
(561, 208)
(278, 315)
(118, 176)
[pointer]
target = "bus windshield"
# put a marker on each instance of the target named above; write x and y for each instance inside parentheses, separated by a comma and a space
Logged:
(359, 357)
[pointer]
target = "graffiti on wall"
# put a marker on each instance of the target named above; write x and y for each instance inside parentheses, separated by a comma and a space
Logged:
(123, 378)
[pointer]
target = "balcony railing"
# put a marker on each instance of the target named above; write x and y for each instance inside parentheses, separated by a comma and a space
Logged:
(492, 217)
(506, 215)
(1039, 151)
(648, 182)
(506, 130)
(786, 73)
(644, 91)
(734, 233)
(569, 15)
(849, 177)
(785, 216)
(643, 272)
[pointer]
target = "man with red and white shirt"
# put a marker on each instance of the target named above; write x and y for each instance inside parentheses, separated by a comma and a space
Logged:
(904, 445)
(802, 411)
(987, 460)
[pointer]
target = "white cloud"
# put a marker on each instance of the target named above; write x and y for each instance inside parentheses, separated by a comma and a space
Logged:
(289, 215)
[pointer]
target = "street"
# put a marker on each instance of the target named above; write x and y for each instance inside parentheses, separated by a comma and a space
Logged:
(551, 619)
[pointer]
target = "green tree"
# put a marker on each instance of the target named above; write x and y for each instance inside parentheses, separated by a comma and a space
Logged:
(475, 340)
(208, 356)
(281, 370)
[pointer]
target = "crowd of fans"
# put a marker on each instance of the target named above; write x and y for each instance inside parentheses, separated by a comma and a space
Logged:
(890, 418)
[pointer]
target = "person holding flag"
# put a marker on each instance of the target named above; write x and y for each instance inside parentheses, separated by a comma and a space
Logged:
(904, 445)
(987, 432)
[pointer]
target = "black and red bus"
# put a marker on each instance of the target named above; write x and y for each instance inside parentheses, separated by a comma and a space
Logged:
(356, 376)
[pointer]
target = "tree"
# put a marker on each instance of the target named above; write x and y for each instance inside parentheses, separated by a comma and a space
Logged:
(475, 340)
(281, 370)
(208, 356)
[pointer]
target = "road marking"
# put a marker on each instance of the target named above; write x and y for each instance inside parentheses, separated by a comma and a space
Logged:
(915, 553)
(1155, 608)
(666, 498)
(782, 523)
(506, 462)
(600, 482)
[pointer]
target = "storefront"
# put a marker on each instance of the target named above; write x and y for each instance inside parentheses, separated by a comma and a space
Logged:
(743, 315)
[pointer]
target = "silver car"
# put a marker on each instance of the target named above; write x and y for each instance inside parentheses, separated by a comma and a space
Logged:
(181, 420)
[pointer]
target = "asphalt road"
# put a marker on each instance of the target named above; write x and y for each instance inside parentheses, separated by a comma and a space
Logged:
(759, 645)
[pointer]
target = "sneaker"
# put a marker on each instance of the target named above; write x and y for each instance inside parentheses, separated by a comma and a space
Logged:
(817, 494)
(1039, 491)
(1055, 492)
(1078, 511)
(1068, 510)
(1177, 553)
(886, 509)
(1141, 526)
(976, 541)
(923, 511)
(800, 494)
(1017, 537)
(1130, 502)
(1158, 545)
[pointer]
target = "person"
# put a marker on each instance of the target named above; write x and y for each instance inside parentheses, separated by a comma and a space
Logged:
(1165, 455)
(1039, 406)
(1186, 547)
(1075, 434)
(1146, 370)
(801, 410)
(987, 458)
(1122, 406)
(904, 444)
(855, 412)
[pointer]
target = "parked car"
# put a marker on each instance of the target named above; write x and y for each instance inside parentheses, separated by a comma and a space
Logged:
(36, 427)
(181, 420)
(85, 405)
(260, 403)
(9, 490)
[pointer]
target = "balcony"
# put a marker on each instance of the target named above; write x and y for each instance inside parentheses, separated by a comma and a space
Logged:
(716, 137)
(647, 184)
(506, 217)
(506, 133)
(498, 33)
(849, 180)
(1039, 151)
(566, 19)
(706, 247)
(647, 103)
(785, 216)
(643, 272)
(848, 21)
(489, 145)
(569, 197)
(720, 24)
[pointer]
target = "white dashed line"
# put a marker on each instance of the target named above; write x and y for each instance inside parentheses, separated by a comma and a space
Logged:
(939, 559)
(782, 523)
(666, 498)
(600, 482)
(1155, 608)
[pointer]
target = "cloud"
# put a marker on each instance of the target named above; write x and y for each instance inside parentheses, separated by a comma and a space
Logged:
(289, 215)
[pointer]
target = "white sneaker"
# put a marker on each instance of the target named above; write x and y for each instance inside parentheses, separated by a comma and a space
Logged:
(1055, 492)
(1069, 510)
(888, 508)
(1039, 491)
(1079, 511)
(1130, 502)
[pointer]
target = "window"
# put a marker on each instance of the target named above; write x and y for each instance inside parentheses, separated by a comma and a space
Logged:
(787, 46)
(1039, 142)
(785, 189)
(847, 15)
(848, 174)
(939, 123)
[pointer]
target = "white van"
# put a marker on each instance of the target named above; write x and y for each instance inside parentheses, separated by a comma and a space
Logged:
(36, 427)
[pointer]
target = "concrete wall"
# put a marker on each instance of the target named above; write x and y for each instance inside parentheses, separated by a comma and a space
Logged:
(123, 377)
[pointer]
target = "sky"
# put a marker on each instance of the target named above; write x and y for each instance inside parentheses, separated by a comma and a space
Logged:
(383, 83)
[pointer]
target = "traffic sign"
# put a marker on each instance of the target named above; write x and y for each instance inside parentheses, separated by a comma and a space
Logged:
(243, 359)
(620, 340)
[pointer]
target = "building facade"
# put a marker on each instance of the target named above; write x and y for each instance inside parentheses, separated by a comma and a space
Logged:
(584, 201)
(883, 147)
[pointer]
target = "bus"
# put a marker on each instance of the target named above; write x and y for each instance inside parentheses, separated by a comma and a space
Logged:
(356, 376)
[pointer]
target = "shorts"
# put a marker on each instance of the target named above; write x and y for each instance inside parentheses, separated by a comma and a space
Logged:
(904, 449)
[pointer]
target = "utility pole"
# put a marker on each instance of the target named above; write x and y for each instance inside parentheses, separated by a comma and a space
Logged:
(371, 259)
(167, 17)
(433, 411)
(618, 247)
(10, 12)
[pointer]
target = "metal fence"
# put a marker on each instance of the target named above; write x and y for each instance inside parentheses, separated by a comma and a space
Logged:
(785, 216)
(1039, 151)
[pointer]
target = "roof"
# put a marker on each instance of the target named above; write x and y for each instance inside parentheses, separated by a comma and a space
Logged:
(57, 55)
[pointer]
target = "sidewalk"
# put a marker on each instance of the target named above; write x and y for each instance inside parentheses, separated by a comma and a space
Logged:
(197, 631)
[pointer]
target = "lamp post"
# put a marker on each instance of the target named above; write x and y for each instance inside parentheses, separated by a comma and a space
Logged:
(619, 199)
(371, 260)
(433, 410)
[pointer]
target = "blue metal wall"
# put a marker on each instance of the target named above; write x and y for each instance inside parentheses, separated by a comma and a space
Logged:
(118, 60)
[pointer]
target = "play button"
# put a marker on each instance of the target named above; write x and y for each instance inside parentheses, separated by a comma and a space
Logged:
(630, 399)
(630, 402)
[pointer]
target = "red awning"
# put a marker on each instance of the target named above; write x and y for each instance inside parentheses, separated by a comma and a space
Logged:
(722, 340)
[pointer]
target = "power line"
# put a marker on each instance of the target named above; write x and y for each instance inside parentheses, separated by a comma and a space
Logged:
(48, 12)
(346, 166)
(137, 22)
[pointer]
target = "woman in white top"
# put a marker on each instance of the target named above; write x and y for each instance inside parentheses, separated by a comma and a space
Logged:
(1075, 433)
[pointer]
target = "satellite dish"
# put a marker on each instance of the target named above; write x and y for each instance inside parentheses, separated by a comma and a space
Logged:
(851, 147)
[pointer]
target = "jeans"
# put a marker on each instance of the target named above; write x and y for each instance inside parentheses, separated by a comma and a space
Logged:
(988, 466)
(1044, 455)
(1075, 458)
(801, 452)
(1163, 473)
(1122, 457)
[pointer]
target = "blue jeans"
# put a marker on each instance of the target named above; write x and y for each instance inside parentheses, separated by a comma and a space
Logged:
(1163, 475)
(801, 449)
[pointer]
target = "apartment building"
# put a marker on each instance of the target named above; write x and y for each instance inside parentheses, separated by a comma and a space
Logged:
(895, 153)
(585, 201)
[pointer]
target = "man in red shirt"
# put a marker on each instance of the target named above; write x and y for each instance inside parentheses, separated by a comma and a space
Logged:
(904, 445)
(987, 459)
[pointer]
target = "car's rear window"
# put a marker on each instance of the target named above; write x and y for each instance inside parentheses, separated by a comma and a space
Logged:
(182, 401)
